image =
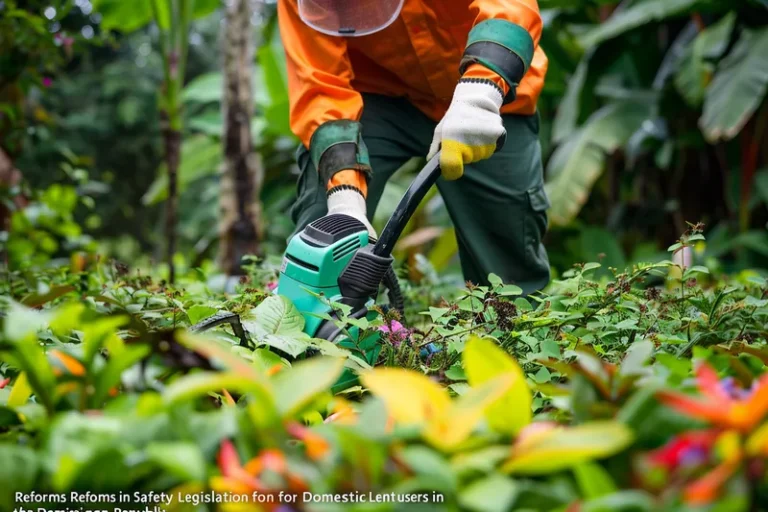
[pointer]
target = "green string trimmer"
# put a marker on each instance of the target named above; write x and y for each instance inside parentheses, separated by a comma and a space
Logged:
(333, 260)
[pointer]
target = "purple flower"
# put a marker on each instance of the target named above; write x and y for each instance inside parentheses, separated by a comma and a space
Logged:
(47, 82)
(736, 392)
(693, 456)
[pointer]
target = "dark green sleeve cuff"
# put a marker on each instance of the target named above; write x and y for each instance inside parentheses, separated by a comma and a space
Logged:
(502, 46)
(337, 146)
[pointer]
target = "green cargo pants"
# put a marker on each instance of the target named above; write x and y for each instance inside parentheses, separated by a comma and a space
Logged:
(498, 207)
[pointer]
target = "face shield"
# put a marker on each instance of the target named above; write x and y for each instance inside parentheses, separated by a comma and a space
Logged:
(349, 18)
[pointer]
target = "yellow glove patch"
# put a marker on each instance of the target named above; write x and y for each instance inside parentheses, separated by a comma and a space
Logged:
(455, 154)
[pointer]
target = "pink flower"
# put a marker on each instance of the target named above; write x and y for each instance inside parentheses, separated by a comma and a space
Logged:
(47, 82)
(271, 285)
(395, 332)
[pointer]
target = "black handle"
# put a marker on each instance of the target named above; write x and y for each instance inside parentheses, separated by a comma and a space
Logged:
(407, 206)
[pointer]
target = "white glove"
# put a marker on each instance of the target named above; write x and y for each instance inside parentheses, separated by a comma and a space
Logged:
(471, 128)
(351, 202)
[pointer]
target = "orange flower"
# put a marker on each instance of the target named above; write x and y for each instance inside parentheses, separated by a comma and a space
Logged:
(233, 472)
(722, 405)
(238, 479)
(707, 488)
(71, 364)
(343, 413)
(316, 446)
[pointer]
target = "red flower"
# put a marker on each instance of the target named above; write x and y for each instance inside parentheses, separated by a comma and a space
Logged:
(688, 448)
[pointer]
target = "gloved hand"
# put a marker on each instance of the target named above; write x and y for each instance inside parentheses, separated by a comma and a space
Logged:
(350, 201)
(471, 129)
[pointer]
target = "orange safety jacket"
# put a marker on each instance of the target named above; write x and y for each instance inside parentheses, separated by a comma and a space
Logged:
(416, 57)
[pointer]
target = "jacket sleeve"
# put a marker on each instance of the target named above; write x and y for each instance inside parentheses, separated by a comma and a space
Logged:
(503, 39)
(319, 75)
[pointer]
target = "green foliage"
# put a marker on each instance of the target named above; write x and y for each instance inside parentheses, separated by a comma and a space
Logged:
(651, 100)
(537, 403)
(46, 227)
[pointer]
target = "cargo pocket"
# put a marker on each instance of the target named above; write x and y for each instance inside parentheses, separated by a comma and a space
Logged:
(536, 228)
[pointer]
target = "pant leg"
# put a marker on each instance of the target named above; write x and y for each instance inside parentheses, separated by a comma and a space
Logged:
(393, 130)
(499, 210)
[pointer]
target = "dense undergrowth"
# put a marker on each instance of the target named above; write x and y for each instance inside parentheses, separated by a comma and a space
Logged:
(641, 390)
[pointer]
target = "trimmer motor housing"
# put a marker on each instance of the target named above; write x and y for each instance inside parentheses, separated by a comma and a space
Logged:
(331, 257)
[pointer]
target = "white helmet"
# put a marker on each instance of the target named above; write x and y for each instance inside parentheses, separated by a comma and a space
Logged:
(349, 18)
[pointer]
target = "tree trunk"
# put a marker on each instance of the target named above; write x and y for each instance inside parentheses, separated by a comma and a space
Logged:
(172, 142)
(242, 176)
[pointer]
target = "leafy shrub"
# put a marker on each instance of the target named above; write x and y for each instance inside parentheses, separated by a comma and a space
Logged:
(642, 390)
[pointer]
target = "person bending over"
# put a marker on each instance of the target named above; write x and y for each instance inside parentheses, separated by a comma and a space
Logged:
(373, 83)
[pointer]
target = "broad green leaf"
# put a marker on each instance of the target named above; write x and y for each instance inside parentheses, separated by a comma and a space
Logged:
(280, 325)
(195, 385)
(265, 360)
(636, 356)
(110, 375)
(293, 345)
(509, 290)
(124, 16)
(564, 447)
(484, 460)
(575, 166)
(203, 8)
(181, 459)
(695, 70)
(205, 88)
(636, 15)
(427, 463)
(484, 360)
(20, 392)
(593, 480)
(738, 88)
(277, 315)
(199, 312)
(19, 467)
(624, 501)
(492, 493)
(31, 359)
(299, 385)
(273, 78)
(567, 115)
(98, 333)
(220, 352)
(495, 280)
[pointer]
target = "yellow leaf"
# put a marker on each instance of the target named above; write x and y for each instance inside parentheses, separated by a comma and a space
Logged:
(563, 447)
(484, 360)
(456, 424)
(757, 444)
(728, 446)
(413, 399)
(20, 392)
(410, 397)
